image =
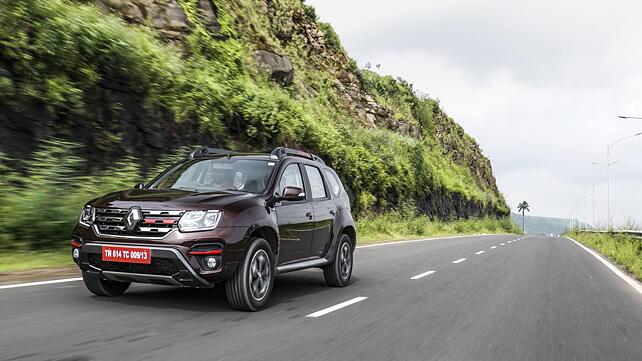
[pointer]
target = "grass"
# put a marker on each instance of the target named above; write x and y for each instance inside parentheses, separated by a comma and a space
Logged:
(392, 226)
(399, 225)
(24, 260)
(625, 251)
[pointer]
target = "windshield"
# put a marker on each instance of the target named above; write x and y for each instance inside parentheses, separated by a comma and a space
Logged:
(218, 174)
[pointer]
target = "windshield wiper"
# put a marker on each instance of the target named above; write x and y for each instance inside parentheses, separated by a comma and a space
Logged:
(187, 189)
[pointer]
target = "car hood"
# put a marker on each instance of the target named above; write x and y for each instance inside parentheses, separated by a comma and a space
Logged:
(169, 199)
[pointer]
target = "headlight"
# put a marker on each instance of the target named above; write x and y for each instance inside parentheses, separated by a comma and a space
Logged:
(193, 221)
(87, 216)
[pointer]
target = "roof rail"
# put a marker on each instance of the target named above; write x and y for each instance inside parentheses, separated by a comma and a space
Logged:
(281, 152)
(205, 151)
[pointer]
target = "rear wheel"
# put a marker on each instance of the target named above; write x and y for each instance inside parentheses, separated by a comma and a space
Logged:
(104, 288)
(251, 285)
(338, 273)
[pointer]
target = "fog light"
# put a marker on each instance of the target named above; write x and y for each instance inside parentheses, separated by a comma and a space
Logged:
(76, 253)
(211, 262)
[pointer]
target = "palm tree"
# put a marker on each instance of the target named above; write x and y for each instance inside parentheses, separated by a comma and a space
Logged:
(522, 207)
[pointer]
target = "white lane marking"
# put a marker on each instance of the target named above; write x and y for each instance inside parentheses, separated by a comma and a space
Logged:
(421, 275)
(459, 260)
(493, 247)
(633, 283)
(336, 307)
(502, 244)
(509, 242)
(422, 240)
(63, 280)
(480, 252)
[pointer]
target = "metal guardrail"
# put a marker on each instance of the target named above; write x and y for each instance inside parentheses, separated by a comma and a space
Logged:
(624, 232)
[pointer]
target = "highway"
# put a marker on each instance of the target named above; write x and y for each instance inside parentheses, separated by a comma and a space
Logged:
(489, 297)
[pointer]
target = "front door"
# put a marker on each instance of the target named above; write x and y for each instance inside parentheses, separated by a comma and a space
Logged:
(295, 219)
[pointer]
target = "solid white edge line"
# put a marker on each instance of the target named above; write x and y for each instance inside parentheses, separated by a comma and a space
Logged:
(459, 260)
(421, 275)
(63, 280)
(633, 283)
(480, 252)
(336, 307)
(425, 239)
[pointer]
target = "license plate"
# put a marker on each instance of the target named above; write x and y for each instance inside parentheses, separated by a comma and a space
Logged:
(127, 254)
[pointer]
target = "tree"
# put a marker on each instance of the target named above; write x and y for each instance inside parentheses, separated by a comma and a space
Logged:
(522, 207)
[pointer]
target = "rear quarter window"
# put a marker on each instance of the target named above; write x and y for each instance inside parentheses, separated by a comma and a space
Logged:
(335, 188)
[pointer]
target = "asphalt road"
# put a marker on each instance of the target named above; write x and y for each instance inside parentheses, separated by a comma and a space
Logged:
(537, 298)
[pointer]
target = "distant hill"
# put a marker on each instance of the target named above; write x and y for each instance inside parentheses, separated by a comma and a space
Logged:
(542, 225)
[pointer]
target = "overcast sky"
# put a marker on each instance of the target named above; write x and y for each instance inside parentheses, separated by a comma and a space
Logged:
(539, 84)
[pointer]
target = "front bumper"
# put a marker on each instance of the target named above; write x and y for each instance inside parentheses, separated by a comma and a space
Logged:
(169, 266)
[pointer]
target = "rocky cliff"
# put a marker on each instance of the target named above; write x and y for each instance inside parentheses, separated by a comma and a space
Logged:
(145, 77)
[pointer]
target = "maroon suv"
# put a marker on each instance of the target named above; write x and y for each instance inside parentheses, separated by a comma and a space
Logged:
(220, 216)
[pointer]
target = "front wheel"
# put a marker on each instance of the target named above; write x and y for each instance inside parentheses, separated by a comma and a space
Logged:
(104, 288)
(338, 273)
(251, 285)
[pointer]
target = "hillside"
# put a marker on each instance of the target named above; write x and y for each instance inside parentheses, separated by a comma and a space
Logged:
(97, 95)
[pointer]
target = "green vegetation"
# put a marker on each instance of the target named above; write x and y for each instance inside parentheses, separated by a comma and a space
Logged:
(407, 224)
(625, 251)
(20, 260)
(58, 52)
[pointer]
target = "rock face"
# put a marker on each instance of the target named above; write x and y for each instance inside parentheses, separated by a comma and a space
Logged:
(279, 66)
(208, 15)
(166, 16)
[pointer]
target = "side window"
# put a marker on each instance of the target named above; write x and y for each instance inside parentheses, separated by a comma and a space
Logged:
(335, 188)
(316, 182)
(291, 178)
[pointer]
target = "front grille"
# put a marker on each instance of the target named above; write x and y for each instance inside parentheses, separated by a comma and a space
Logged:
(159, 266)
(155, 223)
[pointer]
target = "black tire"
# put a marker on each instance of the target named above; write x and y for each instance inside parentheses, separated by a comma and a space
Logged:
(250, 286)
(104, 288)
(338, 273)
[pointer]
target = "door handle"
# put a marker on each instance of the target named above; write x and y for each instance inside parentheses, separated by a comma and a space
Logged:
(333, 212)
(309, 215)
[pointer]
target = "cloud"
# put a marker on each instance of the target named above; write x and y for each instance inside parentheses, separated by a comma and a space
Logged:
(538, 83)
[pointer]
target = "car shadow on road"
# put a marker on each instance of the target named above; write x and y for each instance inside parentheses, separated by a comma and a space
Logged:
(287, 289)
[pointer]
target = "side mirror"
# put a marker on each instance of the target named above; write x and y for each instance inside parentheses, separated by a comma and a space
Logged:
(292, 194)
(139, 186)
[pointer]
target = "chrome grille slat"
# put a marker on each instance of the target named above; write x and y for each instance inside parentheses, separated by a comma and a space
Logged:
(154, 229)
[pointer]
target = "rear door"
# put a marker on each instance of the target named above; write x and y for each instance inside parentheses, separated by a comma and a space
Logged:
(324, 210)
(295, 219)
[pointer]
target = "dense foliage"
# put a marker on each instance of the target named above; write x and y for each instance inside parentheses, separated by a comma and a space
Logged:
(58, 51)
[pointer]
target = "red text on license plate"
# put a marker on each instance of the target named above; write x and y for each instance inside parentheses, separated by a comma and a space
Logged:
(127, 254)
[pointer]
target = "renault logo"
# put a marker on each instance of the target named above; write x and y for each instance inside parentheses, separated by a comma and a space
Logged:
(132, 218)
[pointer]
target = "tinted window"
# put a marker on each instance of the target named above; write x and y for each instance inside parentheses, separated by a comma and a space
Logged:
(291, 178)
(333, 183)
(316, 182)
(218, 174)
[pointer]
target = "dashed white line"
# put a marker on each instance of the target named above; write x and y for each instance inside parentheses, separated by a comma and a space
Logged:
(493, 247)
(502, 244)
(421, 275)
(63, 280)
(509, 241)
(459, 260)
(480, 252)
(336, 307)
